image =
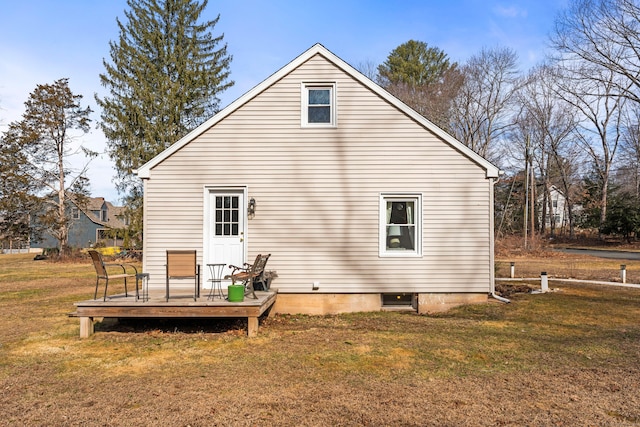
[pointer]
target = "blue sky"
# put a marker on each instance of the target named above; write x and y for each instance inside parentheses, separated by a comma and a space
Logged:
(44, 40)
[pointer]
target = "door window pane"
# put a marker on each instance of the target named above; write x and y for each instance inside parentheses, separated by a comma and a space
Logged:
(227, 215)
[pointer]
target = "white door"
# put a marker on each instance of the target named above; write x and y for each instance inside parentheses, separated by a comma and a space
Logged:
(226, 224)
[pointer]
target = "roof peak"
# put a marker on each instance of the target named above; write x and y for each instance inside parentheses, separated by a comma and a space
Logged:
(144, 171)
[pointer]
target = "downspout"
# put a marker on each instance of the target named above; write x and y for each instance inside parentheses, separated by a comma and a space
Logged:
(145, 181)
(499, 298)
(492, 238)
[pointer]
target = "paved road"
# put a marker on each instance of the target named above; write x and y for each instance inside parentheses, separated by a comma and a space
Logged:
(623, 255)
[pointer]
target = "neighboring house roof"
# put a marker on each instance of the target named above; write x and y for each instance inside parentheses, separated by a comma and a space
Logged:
(491, 170)
(114, 213)
(95, 203)
(553, 189)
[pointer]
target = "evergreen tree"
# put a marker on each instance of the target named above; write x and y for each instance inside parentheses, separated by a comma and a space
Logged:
(414, 63)
(164, 78)
(423, 78)
(623, 218)
(591, 200)
(16, 198)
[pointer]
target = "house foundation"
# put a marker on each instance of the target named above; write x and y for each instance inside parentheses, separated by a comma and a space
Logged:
(321, 304)
(441, 302)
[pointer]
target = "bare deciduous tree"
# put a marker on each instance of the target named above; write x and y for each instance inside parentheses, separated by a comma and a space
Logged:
(369, 68)
(594, 92)
(554, 124)
(629, 168)
(481, 111)
(44, 136)
(605, 33)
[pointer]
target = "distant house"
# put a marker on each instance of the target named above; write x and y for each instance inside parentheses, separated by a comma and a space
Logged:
(89, 225)
(362, 203)
(556, 214)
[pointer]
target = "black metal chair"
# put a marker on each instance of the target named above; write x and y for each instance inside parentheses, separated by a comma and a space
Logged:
(102, 272)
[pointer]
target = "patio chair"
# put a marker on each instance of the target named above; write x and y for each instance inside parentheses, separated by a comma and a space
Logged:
(102, 272)
(183, 265)
(249, 274)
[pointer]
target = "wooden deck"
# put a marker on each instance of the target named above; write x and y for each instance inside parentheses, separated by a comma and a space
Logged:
(120, 306)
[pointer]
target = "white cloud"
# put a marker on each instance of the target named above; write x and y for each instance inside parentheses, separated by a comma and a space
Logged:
(510, 11)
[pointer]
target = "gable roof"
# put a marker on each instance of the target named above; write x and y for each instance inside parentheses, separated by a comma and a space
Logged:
(95, 203)
(114, 213)
(491, 170)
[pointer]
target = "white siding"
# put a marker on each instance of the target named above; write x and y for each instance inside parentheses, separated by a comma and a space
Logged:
(317, 193)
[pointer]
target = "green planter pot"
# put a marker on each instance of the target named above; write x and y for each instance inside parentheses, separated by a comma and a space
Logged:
(236, 293)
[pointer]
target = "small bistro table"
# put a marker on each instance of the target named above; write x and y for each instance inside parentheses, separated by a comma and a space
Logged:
(216, 270)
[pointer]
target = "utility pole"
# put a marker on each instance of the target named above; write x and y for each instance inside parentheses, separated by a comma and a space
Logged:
(533, 202)
(526, 191)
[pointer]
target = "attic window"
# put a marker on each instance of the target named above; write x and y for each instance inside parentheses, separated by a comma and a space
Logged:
(318, 101)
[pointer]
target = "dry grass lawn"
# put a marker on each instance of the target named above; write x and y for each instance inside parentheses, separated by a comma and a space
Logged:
(566, 266)
(571, 357)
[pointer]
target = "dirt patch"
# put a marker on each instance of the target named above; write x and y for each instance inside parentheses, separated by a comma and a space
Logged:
(506, 290)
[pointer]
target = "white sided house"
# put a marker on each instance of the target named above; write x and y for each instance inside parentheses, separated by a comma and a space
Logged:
(556, 212)
(361, 202)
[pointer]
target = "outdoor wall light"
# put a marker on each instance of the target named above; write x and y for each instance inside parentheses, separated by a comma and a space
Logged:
(252, 206)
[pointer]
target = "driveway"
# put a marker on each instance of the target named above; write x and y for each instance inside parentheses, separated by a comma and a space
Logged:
(623, 255)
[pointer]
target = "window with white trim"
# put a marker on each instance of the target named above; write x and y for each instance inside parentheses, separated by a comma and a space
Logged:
(318, 105)
(400, 225)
